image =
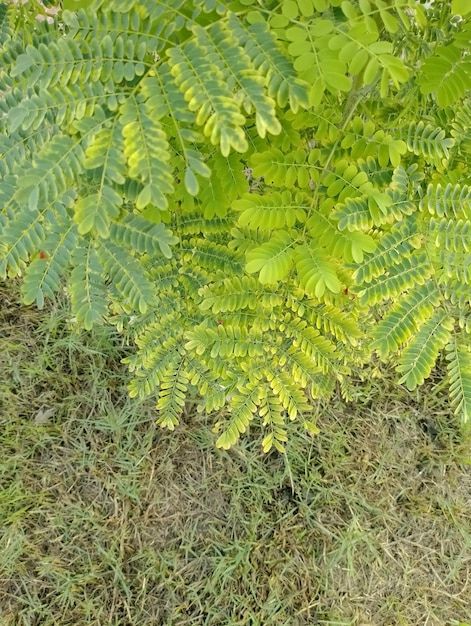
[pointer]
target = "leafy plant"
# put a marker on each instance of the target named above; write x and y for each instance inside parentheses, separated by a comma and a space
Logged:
(260, 193)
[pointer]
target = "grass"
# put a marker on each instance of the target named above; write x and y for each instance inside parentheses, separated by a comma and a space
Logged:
(107, 520)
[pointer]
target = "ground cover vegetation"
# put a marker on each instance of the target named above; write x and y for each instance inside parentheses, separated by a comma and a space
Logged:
(106, 520)
(265, 197)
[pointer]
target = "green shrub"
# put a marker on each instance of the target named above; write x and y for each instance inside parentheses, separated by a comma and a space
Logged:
(261, 193)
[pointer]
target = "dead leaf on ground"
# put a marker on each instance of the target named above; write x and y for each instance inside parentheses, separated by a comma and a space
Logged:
(43, 417)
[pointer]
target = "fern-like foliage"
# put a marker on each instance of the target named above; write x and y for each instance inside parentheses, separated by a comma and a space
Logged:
(459, 375)
(258, 194)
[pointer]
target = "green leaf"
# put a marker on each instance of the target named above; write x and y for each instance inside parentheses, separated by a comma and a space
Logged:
(94, 212)
(23, 63)
(460, 7)
(447, 73)
(147, 151)
(316, 273)
(75, 5)
(243, 407)
(272, 259)
(371, 71)
(87, 288)
(143, 236)
(459, 376)
(419, 357)
(191, 182)
(127, 276)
